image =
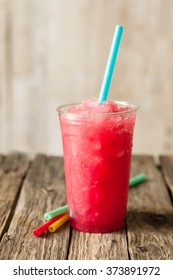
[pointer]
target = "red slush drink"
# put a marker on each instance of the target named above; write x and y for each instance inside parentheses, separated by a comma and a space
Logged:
(97, 145)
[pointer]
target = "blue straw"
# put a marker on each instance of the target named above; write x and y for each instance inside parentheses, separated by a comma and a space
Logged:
(110, 64)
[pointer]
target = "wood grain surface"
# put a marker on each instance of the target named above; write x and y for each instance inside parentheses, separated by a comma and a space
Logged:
(43, 190)
(111, 246)
(150, 214)
(167, 167)
(28, 189)
(12, 172)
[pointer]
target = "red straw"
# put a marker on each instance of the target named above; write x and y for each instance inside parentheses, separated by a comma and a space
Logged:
(44, 227)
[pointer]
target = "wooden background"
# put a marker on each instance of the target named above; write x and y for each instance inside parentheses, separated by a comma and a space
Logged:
(54, 52)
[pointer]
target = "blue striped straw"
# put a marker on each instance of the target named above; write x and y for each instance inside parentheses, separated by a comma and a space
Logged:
(111, 63)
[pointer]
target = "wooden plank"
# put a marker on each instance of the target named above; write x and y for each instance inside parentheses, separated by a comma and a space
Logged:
(167, 167)
(12, 171)
(109, 246)
(150, 212)
(43, 190)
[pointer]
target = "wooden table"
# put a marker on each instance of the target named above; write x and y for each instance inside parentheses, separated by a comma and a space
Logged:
(30, 188)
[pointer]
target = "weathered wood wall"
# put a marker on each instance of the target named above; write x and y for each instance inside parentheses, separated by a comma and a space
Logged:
(53, 52)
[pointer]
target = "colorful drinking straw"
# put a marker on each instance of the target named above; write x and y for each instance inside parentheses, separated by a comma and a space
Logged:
(137, 180)
(61, 215)
(56, 212)
(132, 182)
(110, 64)
(58, 223)
(38, 231)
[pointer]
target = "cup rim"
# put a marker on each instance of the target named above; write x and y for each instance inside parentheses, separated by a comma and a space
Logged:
(62, 109)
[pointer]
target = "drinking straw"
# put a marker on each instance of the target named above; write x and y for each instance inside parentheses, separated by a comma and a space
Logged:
(137, 179)
(58, 223)
(110, 63)
(56, 212)
(38, 231)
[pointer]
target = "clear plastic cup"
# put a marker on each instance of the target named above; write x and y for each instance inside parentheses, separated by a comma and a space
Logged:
(97, 155)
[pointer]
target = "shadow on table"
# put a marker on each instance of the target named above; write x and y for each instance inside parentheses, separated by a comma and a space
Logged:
(150, 221)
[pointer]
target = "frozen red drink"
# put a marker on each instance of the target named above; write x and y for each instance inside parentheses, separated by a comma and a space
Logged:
(97, 144)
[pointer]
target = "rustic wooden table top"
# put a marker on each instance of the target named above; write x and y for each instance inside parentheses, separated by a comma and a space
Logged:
(30, 188)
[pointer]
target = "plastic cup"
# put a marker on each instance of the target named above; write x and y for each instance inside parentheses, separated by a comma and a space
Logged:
(97, 155)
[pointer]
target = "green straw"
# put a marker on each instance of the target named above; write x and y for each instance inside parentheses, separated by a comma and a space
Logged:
(137, 180)
(50, 215)
(56, 212)
(110, 63)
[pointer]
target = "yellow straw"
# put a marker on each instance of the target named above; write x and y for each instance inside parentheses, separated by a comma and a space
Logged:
(58, 223)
